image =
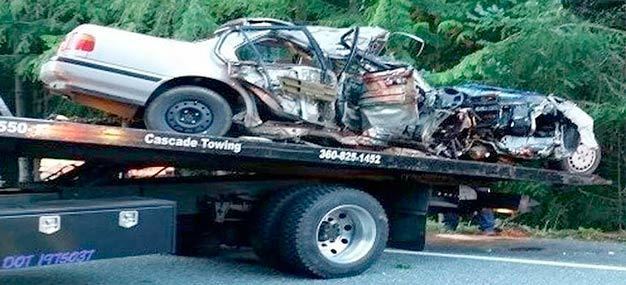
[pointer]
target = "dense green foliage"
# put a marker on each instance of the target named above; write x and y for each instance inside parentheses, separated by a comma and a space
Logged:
(575, 51)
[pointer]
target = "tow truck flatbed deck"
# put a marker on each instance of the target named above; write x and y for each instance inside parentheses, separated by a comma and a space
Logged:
(128, 146)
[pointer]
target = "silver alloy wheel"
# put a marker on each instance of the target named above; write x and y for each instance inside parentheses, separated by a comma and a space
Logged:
(346, 234)
(583, 159)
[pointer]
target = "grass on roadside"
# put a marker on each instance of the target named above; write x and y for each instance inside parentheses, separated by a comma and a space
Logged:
(433, 226)
(517, 230)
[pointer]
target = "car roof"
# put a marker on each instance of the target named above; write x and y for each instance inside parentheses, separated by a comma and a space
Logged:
(252, 22)
(328, 38)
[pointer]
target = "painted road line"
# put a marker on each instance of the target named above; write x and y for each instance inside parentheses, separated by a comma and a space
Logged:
(510, 260)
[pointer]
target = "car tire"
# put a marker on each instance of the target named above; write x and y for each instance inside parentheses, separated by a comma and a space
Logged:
(264, 237)
(582, 161)
(332, 232)
(190, 110)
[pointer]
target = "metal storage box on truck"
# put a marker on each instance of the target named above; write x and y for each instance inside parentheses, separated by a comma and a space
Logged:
(74, 231)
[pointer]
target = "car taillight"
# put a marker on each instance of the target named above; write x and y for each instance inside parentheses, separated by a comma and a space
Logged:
(77, 41)
(84, 42)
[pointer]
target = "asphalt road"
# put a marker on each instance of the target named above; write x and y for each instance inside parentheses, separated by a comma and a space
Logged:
(447, 260)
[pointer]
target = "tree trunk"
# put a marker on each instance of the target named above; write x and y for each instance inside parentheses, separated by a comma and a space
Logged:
(37, 111)
(354, 6)
(620, 193)
(23, 105)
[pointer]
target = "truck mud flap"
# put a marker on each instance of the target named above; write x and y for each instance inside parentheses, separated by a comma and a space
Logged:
(407, 218)
(75, 231)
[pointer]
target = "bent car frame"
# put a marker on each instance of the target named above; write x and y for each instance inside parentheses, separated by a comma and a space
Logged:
(267, 79)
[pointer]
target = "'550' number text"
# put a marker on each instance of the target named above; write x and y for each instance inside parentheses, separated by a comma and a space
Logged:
(13, 127)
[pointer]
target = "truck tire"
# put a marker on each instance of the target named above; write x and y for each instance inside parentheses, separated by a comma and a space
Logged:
(266, 220)
(190, 110)
(333, 232)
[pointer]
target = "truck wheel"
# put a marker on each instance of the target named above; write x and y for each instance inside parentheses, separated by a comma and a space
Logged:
(333, 232)
(583, 161)
(190, 110)
(265, 227)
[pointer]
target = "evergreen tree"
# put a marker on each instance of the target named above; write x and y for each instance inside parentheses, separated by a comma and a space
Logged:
(197, 21)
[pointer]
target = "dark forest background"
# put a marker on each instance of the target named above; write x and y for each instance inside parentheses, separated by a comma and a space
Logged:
(573, 48)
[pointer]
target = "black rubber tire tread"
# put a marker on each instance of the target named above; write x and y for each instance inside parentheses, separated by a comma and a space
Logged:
(299, 257)
(265, 228)
(222, 113)
(563, 165)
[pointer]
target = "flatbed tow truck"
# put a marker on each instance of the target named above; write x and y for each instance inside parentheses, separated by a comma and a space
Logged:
(324, 212)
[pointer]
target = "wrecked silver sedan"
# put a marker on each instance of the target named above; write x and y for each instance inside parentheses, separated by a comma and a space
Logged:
(315, 85)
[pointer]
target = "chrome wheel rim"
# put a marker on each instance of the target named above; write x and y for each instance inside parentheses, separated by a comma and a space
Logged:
(189, 116)
(583, 159)
(346, 234)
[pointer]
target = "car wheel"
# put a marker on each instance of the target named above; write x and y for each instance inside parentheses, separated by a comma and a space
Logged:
(265, 228)
(332, 232)
(190, 110)
(583, 161)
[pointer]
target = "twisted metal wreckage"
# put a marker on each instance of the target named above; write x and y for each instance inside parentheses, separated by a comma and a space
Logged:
(334, 86)
(317, 85)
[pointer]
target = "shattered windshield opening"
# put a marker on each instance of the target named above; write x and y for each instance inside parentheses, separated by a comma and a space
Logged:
(280, 45)
(402, 48)
(277, 51)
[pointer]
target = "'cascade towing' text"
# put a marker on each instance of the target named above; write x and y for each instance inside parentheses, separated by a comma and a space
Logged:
(205, 143)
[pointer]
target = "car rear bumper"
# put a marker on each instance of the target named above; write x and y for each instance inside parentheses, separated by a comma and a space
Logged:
(51, 74)
(67, 76)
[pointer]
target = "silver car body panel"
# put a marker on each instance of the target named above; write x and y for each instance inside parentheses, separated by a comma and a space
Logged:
(131, 76)
(67, 73)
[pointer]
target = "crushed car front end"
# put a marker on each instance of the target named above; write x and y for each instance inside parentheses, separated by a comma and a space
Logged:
(539, 122)
(515, 124)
